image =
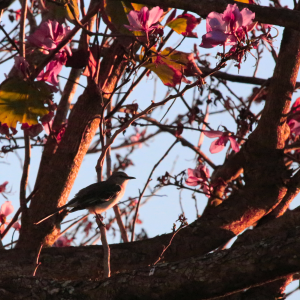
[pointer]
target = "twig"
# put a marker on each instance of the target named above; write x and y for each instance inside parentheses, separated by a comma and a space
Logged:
(182, 225)
(37, 261)
(24, 179)
(142, 193)
(73, 224)
(201, 137)
(115, 208)
(22, 28)
(16, 216)
(106, 249)
(10, 40)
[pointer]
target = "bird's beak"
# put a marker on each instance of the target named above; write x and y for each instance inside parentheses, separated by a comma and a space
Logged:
(129, 177)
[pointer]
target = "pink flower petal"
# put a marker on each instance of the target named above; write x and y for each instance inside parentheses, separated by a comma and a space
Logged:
(213, 39)
(191, 182)
(17, 225)
(215, 147)
(154, 15)
(214, 21)
(234, 144)
(248, 16)
(6, 208)
(213, 133)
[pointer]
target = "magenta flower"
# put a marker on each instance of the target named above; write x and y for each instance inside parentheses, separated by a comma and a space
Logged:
(227, 28)
(6, 209)
(199, 176)
(294, 127)
(53, 69)
(48, 36)
(144, 20)
(220, 143)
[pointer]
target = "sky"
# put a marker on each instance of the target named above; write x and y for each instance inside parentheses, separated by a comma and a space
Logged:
(159, 214)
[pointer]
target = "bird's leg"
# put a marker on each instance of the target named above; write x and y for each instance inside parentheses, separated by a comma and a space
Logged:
(99, 220)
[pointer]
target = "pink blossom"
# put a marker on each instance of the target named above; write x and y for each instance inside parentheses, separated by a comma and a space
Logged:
(220, 143)
(144, 20)
(49, 35)
(53, 69)
(227, 28)
(3, 187)
(294, 127)
(199, 176)
(6, 209)
(17, 225)
(138, 135)
(63, 241)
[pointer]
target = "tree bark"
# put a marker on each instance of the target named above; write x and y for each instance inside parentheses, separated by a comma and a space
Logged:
(203, 277)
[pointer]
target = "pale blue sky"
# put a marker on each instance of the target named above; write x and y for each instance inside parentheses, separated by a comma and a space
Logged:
(160, 213)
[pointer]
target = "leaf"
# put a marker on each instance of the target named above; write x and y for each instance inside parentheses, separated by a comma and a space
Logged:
(171, 66)
(166, 73)
(61, 10)
(23, 102)
(114, 15)
(185, 24)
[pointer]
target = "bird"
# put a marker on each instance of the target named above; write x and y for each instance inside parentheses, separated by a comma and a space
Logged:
(97, 197)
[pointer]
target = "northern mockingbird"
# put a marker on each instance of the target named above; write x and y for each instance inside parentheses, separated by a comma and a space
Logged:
(98, 197)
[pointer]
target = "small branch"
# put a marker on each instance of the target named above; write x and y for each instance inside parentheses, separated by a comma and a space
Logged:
(183, 141)
(22, 28)
(24, 179)
(115, 208)
(183, 224)
(106, 249)
(142, 193)
(37, 261)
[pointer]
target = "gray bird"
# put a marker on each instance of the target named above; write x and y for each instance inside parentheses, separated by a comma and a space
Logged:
(97, 197)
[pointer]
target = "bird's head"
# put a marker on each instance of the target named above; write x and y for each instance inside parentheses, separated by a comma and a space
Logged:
(119, 178)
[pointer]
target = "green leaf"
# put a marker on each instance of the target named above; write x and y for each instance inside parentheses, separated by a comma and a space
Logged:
(61, 10)
(114, 15)
(185, 24)
(21, 101)
(171, 66)
(166, 73)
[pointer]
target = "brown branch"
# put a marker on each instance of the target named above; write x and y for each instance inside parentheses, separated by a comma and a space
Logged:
(144, 189)
(22, 28)
(217, 274)
(269, 15)
(182, 140)
(106, 249)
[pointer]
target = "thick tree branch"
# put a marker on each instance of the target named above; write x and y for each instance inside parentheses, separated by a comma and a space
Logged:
(270, 15)
(214, 275)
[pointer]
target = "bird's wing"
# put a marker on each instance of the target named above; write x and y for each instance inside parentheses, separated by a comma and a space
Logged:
(93, 194)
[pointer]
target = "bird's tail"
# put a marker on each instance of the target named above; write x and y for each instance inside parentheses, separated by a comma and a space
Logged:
(55, 212)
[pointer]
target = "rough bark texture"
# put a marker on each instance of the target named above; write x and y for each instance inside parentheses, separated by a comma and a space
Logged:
(83, 263)
(194, 278)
